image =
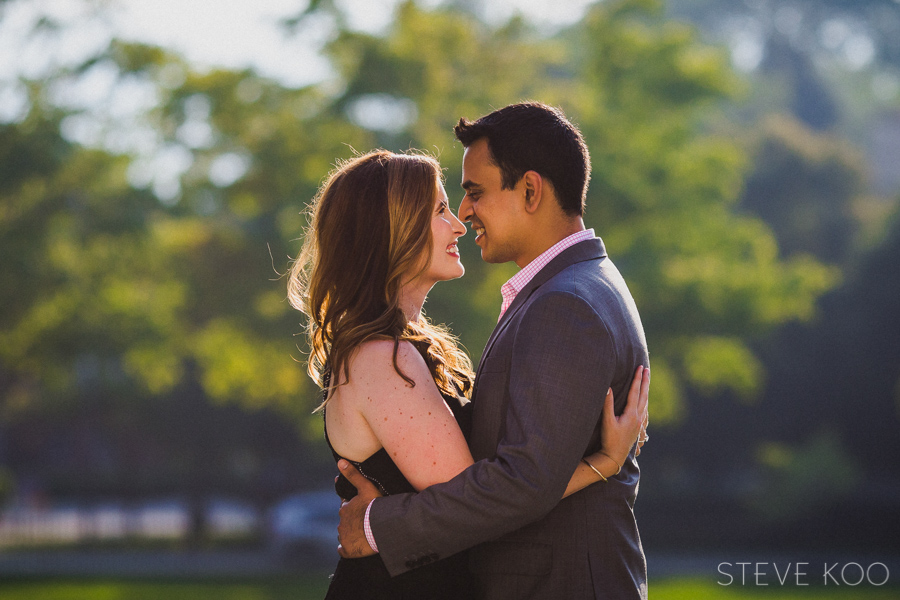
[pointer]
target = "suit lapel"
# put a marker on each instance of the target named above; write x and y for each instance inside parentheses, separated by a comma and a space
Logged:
(582, 251)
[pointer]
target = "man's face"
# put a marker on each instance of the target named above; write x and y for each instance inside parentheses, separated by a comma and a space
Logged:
(495, 214)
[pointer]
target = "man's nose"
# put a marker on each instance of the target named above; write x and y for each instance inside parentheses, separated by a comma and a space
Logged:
(465, 209)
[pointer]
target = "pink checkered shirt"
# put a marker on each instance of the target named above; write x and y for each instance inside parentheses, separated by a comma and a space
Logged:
(368, 529)
(517, 282)
(509, 290)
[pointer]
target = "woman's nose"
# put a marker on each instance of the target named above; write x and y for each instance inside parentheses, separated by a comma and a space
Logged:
(458, 226)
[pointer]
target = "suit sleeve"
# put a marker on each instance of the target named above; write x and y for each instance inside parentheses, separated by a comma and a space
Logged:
(562, 363)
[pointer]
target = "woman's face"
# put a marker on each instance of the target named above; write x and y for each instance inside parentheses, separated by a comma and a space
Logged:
(445, 230)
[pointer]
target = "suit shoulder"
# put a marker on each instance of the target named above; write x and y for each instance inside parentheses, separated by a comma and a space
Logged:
(584, 279)
(597, 282)
(558, 300)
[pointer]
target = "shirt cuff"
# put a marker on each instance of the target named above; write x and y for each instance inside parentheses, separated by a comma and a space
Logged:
(368, 529)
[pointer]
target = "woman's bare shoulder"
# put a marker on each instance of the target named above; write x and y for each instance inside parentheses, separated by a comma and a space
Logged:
(378, 352)
(373, 363)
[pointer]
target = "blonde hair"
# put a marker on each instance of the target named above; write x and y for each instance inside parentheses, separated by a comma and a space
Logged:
(370, 228)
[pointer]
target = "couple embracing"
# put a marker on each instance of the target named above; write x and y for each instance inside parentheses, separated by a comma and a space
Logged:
(515, 482)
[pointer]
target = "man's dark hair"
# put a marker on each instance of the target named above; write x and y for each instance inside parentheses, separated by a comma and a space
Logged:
(531, 136)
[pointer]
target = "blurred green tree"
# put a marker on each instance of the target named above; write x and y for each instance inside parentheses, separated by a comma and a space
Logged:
(125, 315)
(111, 287)
(806, 187)
(662, 194)
(145, 287)
(802, 478)
(189, 281)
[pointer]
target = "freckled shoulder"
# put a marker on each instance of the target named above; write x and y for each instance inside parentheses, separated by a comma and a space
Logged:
(372, 366)
(412, 423)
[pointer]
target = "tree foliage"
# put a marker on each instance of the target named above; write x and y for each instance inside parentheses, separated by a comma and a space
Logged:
(113, 291)
(143, 301)
(662, 194)
(806, 187)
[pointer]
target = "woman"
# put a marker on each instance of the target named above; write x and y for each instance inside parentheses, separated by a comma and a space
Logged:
(381, 236)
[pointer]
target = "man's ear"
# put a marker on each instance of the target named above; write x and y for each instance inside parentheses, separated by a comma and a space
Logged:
(534, 188)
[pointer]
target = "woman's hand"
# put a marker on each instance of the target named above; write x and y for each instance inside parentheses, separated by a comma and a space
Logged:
(620, 433)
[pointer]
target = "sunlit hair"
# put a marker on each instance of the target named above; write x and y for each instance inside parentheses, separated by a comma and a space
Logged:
(370, 232)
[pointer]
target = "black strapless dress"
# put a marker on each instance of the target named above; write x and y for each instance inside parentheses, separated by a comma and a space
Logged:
(368, 578)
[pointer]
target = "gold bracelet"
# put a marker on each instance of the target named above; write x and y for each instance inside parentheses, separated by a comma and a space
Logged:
(612, 459)
(594, 469)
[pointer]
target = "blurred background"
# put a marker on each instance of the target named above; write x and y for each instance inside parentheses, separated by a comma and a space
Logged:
(155, 414)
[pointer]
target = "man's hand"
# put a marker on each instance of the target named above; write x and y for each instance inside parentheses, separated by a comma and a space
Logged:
(351, 535)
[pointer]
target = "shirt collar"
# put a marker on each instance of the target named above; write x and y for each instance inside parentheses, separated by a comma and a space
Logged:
(518, 281)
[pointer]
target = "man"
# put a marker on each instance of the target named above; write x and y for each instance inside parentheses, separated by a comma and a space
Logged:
(568, 331)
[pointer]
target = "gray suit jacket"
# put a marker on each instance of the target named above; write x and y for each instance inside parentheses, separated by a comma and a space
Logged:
(570, 334)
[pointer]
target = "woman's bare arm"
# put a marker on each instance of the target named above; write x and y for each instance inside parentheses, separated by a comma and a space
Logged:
(413, 424)
(422, 437)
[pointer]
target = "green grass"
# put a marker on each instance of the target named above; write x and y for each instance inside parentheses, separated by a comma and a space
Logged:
(313, 588)
(696, 589)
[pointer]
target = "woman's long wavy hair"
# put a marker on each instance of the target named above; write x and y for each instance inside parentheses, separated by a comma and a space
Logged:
(369, 233)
